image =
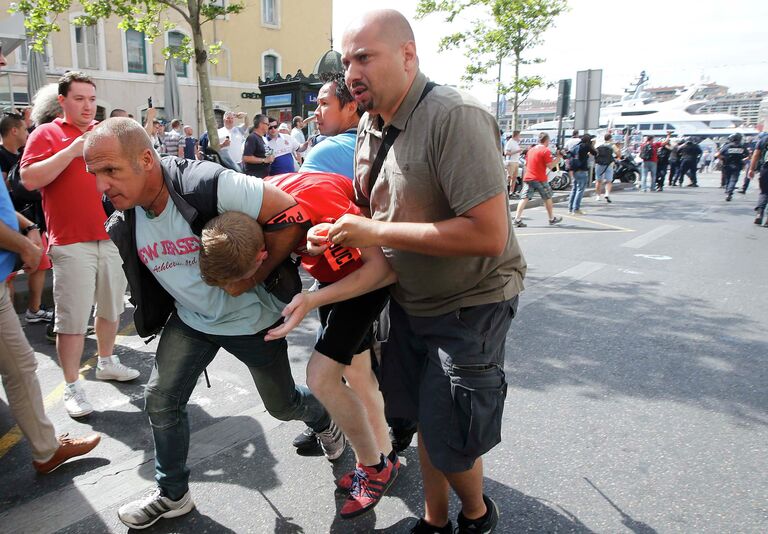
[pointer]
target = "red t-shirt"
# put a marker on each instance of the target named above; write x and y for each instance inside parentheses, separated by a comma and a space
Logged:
(536, 161)
(72, 205)
(325, 197)
(654, 150)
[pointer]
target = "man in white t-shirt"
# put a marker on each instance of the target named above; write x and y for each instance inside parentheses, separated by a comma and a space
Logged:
(512, 158)
(232, 137)
(284, 147)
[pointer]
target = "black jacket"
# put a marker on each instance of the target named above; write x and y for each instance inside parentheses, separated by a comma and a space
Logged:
(193, 187)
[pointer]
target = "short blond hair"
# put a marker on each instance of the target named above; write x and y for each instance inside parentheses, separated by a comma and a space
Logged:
(230, 244)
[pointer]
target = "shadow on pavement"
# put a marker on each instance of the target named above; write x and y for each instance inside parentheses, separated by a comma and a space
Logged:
(637, 340)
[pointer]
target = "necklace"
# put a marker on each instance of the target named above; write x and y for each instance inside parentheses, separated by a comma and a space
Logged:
(149, 211)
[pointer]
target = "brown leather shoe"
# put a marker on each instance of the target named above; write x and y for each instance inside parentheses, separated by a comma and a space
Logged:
(68, 448)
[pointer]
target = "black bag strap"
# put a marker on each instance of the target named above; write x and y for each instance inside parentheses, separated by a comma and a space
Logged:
(389, 140)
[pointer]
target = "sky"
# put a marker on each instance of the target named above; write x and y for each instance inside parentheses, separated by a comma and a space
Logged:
(683, 42)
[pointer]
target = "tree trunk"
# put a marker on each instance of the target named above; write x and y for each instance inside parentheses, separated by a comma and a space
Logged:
(516, 101)
(204, 82)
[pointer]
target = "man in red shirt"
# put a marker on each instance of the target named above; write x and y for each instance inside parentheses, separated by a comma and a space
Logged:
(87, 268)
(538, 161)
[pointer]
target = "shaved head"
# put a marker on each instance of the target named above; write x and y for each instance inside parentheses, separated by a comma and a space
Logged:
(380, 60)
(131, 136)
(387, 25)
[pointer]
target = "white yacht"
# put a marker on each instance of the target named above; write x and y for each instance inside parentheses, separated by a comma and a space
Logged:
(680, 115)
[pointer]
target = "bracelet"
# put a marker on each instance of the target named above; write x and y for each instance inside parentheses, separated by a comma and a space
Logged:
(29, 228)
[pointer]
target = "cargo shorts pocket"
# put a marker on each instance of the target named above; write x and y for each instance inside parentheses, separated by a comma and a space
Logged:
(477, 394)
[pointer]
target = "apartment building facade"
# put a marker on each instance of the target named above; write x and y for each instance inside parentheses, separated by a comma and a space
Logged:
(268, 37)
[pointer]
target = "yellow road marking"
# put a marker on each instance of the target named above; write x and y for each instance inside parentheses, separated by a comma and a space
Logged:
(597, 223)
(555, 232)
(14, 435)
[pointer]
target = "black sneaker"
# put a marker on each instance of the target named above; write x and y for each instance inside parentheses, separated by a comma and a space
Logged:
(517, 223)
(555, 220)
(742, 191)
(758, 220)
(306, 440)
(608, 199)
(483, 525)
(422, 527)
(728, 198)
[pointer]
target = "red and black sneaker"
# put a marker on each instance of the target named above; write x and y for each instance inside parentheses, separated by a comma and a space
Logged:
(345, 482)
(368, 486)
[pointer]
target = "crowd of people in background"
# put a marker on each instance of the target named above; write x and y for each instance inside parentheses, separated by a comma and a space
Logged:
(655, 164)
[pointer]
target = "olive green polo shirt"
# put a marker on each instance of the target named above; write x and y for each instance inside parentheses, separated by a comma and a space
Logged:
(445, 161)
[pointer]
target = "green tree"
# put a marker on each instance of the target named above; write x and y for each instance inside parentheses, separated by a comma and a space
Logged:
(150, 17)
(502, 30)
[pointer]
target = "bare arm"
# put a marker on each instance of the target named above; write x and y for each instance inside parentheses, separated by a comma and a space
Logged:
(15, 242)
(481, 231)
(42, 173)
(756, 155)
(374, 274)
(279, 244)
(149, 126)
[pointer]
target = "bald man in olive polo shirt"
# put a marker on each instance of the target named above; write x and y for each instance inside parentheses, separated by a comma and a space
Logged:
(439, 210)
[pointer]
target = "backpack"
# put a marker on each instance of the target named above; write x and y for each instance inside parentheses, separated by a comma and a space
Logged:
(646, 153)
(604, 155)
(574, 163)
(21, 196)
(664, 153)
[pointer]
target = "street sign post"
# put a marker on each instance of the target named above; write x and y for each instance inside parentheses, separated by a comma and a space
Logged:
(588, 89)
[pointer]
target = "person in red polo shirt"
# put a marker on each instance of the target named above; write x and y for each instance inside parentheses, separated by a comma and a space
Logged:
(87, 268)
(538, 161)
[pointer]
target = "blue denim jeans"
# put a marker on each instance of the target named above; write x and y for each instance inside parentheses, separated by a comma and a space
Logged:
(182, 355)
(731, 177)
(649, 175)
(577, 190)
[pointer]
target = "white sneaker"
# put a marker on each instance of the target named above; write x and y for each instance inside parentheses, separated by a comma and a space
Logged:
(146, 511)
(597, 198)
(115, 371)
(75, 402)
(40, 316)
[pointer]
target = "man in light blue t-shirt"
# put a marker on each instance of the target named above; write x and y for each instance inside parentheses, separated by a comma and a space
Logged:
(161, 250)
(337, 117)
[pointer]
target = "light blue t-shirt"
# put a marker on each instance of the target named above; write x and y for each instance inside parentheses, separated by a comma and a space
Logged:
(7, 216)
(334, 154)
(170, 249)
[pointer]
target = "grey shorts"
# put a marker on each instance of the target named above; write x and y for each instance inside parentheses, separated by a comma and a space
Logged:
(542, 188)
(447, 373)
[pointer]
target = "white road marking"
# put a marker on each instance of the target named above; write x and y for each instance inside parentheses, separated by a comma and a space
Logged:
(653, 235)
(653, 257)
(558, 281)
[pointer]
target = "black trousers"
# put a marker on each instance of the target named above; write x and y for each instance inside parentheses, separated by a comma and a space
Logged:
(661, 173)
(688, 166)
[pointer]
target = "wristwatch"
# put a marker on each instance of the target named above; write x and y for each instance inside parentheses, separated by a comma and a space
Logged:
(29, 228)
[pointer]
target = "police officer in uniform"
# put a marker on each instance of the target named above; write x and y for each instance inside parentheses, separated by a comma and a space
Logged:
(690, 153)
(759, 165)
(732, 154)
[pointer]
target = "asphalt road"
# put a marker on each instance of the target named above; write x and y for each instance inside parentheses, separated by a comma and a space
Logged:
(637, 400)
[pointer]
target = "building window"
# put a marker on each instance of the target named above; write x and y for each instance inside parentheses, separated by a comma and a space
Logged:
(270, 66)
(87, 44)
(135, 46)
(269, 12)
(24, 53)
(175, 40)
